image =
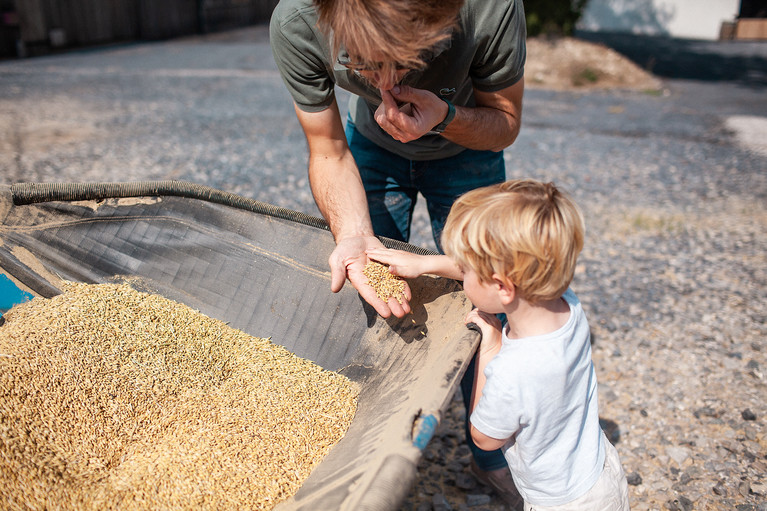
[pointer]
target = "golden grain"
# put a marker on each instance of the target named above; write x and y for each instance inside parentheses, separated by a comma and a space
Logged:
(115, 399)
(385, 284)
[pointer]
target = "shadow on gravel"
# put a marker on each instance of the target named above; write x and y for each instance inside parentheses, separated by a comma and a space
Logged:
(611, 429)
(742, 62)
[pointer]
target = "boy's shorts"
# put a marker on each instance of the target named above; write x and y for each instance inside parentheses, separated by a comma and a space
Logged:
(609, 493)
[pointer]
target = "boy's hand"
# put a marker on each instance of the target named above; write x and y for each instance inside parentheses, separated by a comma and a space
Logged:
(490, 326)
(401, 263)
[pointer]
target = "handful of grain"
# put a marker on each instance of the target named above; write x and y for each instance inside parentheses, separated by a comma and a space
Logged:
(385, 284)
(115, 399)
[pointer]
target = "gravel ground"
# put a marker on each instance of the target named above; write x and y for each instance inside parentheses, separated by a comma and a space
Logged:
(673, 276)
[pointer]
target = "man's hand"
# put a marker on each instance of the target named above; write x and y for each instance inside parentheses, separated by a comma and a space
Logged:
(419, 112)
(349, 260)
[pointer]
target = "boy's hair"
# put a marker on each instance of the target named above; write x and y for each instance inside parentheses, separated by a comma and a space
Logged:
(396, 32)
(526, 231)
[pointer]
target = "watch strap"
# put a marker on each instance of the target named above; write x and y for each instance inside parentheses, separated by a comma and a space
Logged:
(439, 128)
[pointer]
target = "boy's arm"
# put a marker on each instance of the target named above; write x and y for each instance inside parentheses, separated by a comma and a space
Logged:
(408, 265)
(484, 442)
(490, 345)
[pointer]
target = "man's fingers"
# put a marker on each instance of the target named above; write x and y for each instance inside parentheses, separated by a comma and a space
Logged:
(337, 272)
(408, 294)
(337, 278)
(389, 103)
(403, 308)
(369, 295)
(400, 310)
(391, 307)
(403, 93)
(392, 117)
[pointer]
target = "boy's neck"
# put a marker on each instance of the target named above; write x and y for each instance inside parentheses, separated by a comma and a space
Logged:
(526, 319)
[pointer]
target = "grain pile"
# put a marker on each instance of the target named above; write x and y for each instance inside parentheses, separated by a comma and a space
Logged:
(115, 399)
(385, 284)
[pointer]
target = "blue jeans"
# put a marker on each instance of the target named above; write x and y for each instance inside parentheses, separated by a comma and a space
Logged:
(392, 184)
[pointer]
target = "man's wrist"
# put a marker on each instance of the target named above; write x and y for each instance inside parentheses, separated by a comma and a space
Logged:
(439, 128)
(347, 236)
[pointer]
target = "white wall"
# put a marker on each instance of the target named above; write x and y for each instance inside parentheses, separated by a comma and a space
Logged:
(687, 19)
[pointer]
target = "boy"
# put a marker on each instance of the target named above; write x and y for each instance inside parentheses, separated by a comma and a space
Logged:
(515, 246)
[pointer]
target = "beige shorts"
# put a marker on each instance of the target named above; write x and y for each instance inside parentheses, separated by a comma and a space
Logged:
(609, 493)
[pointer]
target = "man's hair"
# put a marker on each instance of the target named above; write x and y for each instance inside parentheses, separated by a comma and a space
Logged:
(526, 231)
(396, 32)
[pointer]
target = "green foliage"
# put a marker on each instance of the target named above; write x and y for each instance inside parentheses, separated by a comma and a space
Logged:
(552, 17)
(585, 76)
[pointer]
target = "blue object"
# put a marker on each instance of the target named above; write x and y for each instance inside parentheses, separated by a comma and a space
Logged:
(11, 295)
(426, 429)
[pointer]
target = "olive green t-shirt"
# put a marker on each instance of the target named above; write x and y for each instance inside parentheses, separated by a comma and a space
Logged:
(487, 52)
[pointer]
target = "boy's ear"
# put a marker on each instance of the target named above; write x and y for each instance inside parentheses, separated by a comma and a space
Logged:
(506, 289)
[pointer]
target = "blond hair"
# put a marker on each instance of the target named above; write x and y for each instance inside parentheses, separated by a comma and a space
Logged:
(389, 33)
(526, 231)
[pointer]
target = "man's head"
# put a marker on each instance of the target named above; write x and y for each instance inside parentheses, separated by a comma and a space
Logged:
(382, 38)
(526, 231)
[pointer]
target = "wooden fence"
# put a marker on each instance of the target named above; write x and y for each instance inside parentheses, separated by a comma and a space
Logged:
(30, 27)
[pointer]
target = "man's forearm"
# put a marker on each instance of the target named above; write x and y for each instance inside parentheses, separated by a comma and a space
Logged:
(333, 175)
(482, 129)
(493, 124)
(340, 195)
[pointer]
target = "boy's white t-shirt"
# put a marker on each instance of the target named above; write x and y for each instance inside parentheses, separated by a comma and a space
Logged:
(544, 389)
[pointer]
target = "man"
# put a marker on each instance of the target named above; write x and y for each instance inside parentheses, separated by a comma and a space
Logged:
(437, 91)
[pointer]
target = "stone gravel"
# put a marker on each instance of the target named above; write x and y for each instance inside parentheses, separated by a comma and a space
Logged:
(673, 276)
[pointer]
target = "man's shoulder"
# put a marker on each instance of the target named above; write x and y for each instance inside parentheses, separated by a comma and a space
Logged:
(294, 24)
(484, 5)
(287, 11)
(483, 10)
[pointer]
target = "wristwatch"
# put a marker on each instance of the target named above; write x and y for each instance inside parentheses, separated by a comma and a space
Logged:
(439, 128)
